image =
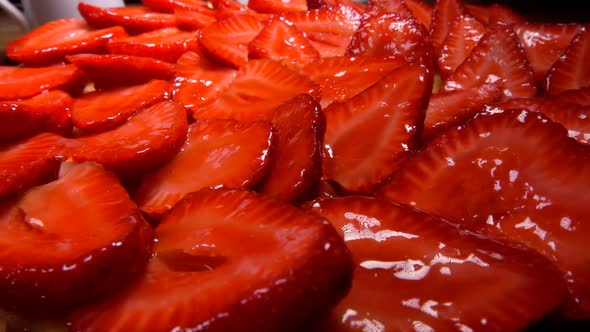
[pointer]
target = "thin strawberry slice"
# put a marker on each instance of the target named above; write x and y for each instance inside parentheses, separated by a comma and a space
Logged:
(369, 135)
(166, 44)
(45, 112)
(443, 15)
(575, 118)
(416, 272)
(296, 158)
(227, 40)
(515, 104)
(170, 6)
(464, 34)
(498, 57)
(113, 70)
(149, 139)
(51, 42)
(229, 260)
(281, 41)
(259, 87)
(513, 174)
(572, 70)
(188, 19)
(341, 78)
(277, 6)
(99, 111)
(23, 82)
(135, 19)
(578, 96)
(216, 153)
(422, 11)
(495, 13)
(71, 241)
(228, 8)
(328, 28)
(544, 43)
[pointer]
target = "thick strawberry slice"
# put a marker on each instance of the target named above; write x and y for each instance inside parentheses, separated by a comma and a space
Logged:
(229, 260)
(71, 241)
(51, 42)
(259, 87)
(281, 41)
(464, 34)
(227, 40)
(103, 110)
(166, 44)
(216, 153)
(45, 112)
(578, 96)
(416, 272)
(149, 139)
(169, 6)
(513, 174)
(422, 11)
(572, 70)
(188, 19)
(575, 118)
(494, 13)
(498, 57)
(443, 15)
(296, 158)
(369, 135)
(135, 19)
(23, 82)
(277, 6)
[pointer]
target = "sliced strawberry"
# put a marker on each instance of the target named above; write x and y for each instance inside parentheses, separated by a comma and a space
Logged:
(421, 10)
(216, 153)
(71, 241)
(227, 40)
(443, 15)
(516, 104)
(342, 78)
(296, 159)
(166, 44)
(379, 7)
(277, 6)
(494, 13)
(572, 70)
(103, 110)
(498, 57)
(135, 19)
(579, 96)
(170, 6)
(191, 20)
(23, 82)
(51, 42)
(259, 87)
(149, 139)
(229, 260)
(575, 118)
(416, 272)
(513, 174)
(227, 8)
(281, 41)
(464, 34)
(368, 136)
(45, 112)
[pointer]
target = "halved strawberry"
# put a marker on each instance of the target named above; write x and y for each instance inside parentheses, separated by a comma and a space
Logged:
(512, 174)
(51, 42)
(464, 34)
(135, 19)
(71, 241)
(23, 82)
(147, 140)
(166, 44)
(259, 87)
(572, 70)
(277, 6)
(421, 10)
(498, 57)
(103, 110)
(170, 6)
(45, 112)
(416, 272)
(575, 118)
(296, 158)
(191, 20)
(227, 40)
(229, 260)
(443, 15)
(216, 153)
(494, 13)
(579, 96)
(369, 135)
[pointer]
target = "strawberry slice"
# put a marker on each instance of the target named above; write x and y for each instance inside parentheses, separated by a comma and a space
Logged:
(188, 19)
(216, 153)
(45, 112)
(149, 139)
(23, 82)
(227, 40)
(51, 42)
(277, 6)
(368, 136)
(495, 13)
(228, 260)
(443, 15)
(379, 7)
(259, 87)
(296, 159)
(422, 11)
(416, 272)
(135, 19)
(572, 70)
(169, 6)
(464, 34)
(166, 44)
(281, 41)
(498, 57)
(515, 104)
(578, 96)
(71, 241)
(99, 111)
(228, 8)
(575, 118)
(525, 176)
